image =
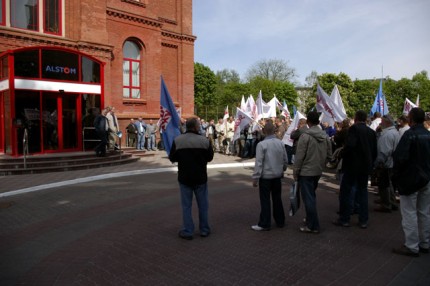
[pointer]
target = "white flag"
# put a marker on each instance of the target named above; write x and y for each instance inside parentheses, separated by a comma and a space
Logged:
(263, 108)
(287, 136)
(251, 108)
(408, 106)
(242, 119)
(326, 105)
(337, 105)
(243, 103)
(284, 110)
(273, 103)
(226, 116)
(417, 103)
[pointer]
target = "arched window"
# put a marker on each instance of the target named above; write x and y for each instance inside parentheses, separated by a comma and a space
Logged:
(131, 70)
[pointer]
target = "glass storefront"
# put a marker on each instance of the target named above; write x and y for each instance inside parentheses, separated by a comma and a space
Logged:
(55, 96)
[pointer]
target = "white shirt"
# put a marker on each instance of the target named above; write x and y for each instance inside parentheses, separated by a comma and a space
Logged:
(375, 123)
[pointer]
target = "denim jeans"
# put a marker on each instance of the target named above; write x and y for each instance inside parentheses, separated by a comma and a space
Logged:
(150, 144)
(349, 182)
(201, 193)
(274, 187)
(140, 141)
(415, 210)
(247, 151)
(308, 185)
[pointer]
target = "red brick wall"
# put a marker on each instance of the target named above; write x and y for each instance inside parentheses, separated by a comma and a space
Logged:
(99, 28)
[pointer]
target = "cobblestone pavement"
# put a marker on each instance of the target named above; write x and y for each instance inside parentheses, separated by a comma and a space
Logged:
(122, 230)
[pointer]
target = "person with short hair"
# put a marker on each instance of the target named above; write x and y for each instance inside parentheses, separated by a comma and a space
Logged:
(229, 133)
(211, 133)
(192, 152)
(141, 127)
(411, 160)
(312, 152)
(113, 128)
(270, 163)
(359, 156)
(131, 133)
(220, 131)
(150, 132)
(101, 126)
(387, 143)
(403, 124)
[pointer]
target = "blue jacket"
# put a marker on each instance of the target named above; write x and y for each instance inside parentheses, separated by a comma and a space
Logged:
(136, 123)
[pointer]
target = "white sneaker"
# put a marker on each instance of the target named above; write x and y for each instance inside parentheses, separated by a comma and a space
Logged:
(258, 228)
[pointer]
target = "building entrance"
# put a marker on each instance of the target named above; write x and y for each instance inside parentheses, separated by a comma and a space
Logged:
(51, 120)
(50, 94)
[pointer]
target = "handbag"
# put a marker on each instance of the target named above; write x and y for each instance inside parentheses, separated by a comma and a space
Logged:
(294, 198)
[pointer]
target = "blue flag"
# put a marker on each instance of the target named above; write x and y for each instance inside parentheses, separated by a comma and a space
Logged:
(169, 120)
(380, 104)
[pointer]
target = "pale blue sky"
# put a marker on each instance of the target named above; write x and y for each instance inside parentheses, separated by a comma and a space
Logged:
(356, 37)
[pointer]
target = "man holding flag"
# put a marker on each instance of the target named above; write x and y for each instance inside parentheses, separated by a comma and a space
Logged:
(169, 119)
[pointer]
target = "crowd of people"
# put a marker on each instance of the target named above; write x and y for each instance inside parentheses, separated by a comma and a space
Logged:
(396, 152)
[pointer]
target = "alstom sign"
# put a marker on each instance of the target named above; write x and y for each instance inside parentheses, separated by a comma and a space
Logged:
(62, 70)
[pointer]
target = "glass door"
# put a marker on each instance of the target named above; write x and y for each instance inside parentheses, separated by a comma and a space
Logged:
(69, 121)
(59, 121)
(50, 117)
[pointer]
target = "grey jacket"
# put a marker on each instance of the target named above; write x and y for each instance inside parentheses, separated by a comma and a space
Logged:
(387, 143)
(271, 159)
(313, 150)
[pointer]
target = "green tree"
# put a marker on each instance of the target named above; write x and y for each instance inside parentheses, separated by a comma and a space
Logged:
(228, 76)
(395, 94)
(362, 96)
(205, 84)
(273, 70)
(283, 90)
(421, 87)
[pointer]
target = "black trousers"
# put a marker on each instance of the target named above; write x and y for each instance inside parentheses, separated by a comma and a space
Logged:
(101, 147)
(271, 187)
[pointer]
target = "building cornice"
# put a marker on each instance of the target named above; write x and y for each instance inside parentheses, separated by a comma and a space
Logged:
(35, 39)
(169, 45)
(177, 36)
(133, 17)
(168, 21)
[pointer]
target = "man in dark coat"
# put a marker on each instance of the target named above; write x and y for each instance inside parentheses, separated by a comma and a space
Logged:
(102, 130)
(131, 133)
(192, 152)
(358, 159)
(412, 176)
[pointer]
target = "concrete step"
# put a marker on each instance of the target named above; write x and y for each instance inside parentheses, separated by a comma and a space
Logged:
(62, 162)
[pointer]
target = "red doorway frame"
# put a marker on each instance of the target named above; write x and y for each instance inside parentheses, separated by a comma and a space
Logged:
(12, 135)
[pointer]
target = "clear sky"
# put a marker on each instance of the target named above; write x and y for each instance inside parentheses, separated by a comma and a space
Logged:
(357, 37)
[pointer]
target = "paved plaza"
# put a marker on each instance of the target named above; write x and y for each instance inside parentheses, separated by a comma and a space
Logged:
(118, 226)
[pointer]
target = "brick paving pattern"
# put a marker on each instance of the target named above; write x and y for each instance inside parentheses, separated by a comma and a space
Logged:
(123, 231)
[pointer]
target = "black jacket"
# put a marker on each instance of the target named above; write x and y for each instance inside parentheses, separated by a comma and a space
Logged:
(411, 159)
(360, 150)
(100, 123)
(192, 152)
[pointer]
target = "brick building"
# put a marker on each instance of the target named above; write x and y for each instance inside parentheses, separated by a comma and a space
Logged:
(59, 59)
